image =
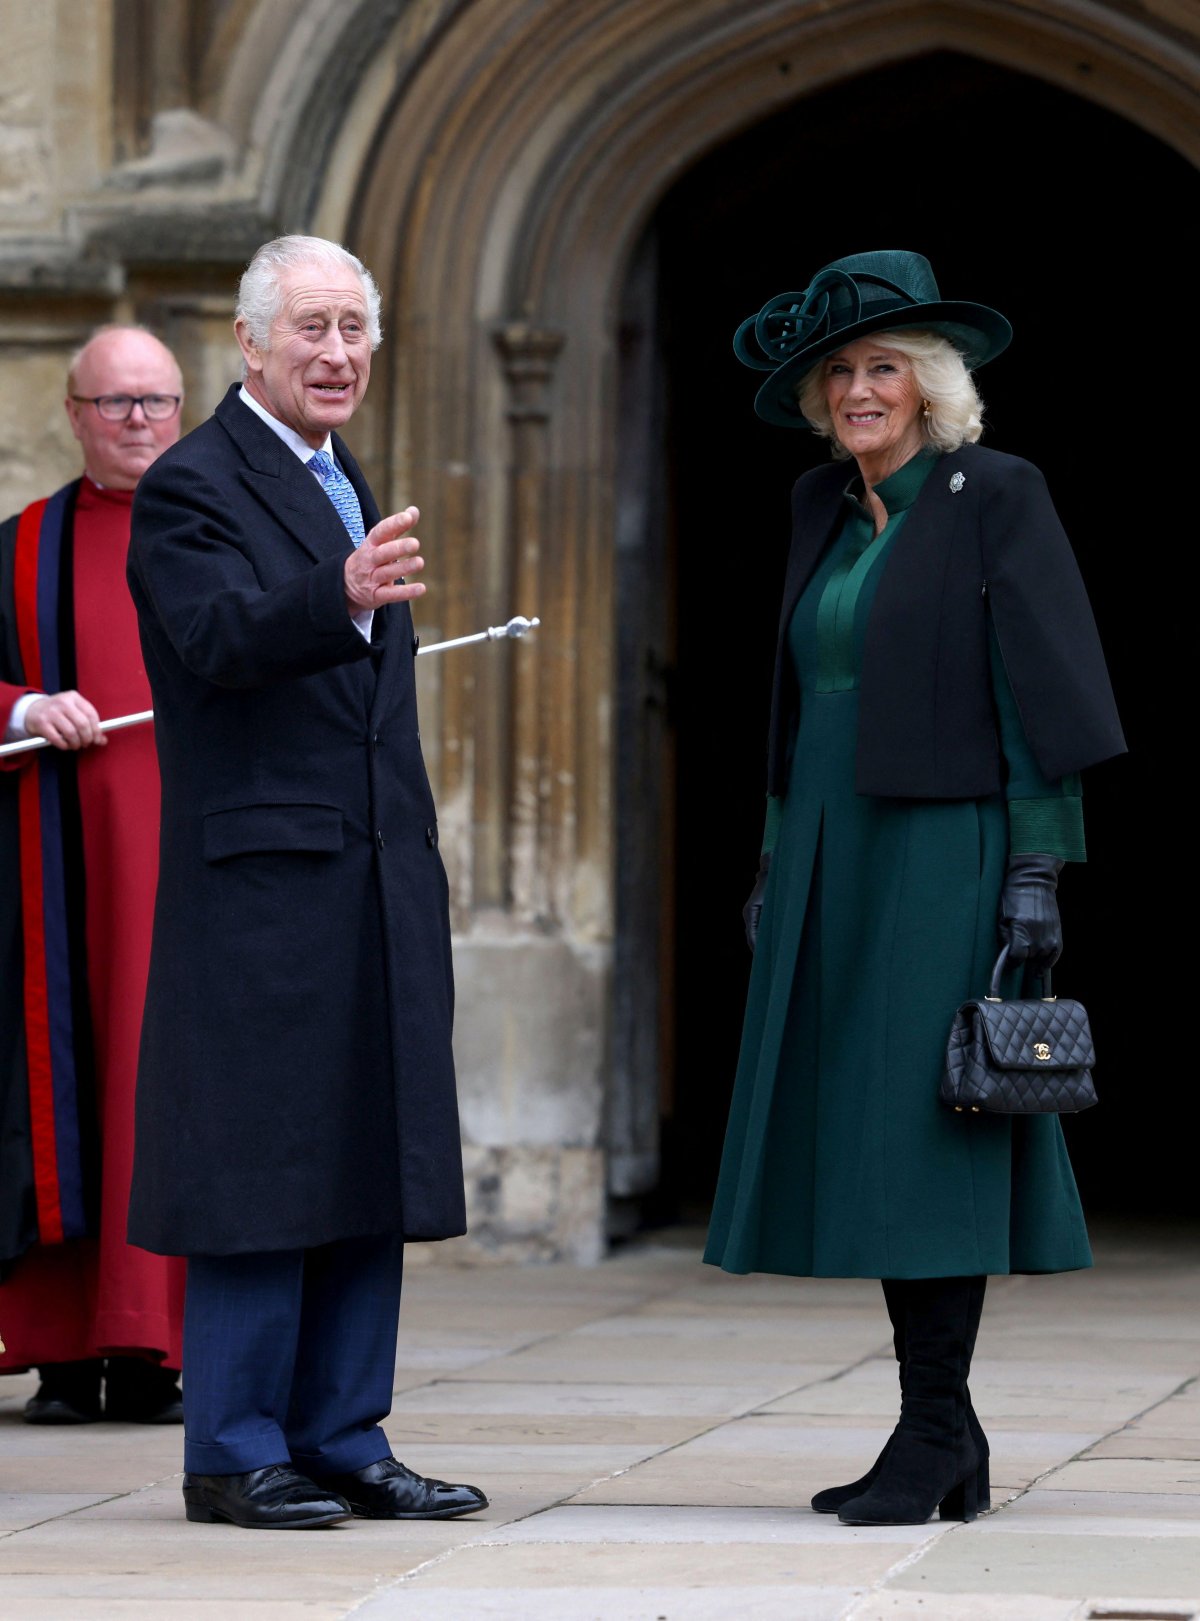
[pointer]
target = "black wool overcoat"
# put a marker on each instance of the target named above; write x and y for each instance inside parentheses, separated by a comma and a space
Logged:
(981, 538)
(296, 1084)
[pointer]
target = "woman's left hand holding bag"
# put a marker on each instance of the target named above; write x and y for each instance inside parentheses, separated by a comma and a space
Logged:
(1030, 925)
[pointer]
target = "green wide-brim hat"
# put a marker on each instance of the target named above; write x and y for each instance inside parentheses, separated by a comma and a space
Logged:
(867, 292)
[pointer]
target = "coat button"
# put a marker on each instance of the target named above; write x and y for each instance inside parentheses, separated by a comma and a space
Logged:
(431, 837)
(375, 740)
(379, 838)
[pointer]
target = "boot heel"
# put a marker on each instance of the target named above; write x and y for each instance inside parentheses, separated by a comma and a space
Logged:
(961, 1502)
(983, 1487)
(200, 1514)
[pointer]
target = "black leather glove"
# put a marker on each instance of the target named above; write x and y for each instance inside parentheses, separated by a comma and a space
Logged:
(752, 910)
(1029, 922)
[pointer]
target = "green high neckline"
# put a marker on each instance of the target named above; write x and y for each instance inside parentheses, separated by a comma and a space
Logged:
(900, 489)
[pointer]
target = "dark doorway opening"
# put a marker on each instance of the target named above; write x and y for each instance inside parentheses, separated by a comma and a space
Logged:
(1050, 209)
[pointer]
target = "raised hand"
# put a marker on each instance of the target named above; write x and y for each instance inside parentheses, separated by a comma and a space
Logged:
(373, 571)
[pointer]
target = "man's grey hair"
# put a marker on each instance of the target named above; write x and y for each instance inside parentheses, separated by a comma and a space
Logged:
(260, 295)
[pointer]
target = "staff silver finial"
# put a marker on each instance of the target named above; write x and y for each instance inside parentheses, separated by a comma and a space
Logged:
(516, 628)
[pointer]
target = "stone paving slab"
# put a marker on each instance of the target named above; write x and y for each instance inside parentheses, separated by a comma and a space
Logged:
(1087, 1513)
(409, 1431)
(589, 1526)
(649, 1432)
(614, 1399)
(1057, 1566)
(593, 1602)
(32, 1600)
(1158, 1475)
(761, 1379)
(885, 1606)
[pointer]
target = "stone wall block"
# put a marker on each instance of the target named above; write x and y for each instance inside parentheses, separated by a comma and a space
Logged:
(529, 1040)
(527, 1204)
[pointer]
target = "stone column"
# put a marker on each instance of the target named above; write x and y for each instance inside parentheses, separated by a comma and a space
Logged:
(536, 757)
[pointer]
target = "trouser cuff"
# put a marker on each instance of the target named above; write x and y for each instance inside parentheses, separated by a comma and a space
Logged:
(237, 1457)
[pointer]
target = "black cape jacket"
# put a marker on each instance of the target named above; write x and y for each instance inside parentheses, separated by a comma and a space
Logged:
(927, 727)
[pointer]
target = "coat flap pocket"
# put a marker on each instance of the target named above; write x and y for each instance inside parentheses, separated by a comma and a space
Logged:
(1033, 1034)
(247, 828)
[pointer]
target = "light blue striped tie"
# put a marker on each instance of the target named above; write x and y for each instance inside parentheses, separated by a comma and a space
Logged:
(341, 492)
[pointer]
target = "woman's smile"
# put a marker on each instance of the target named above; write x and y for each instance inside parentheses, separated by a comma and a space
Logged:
(875, 405)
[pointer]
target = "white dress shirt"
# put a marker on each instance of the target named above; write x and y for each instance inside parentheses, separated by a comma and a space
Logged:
(15, 731)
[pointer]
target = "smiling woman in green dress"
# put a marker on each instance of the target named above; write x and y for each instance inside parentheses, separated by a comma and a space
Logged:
(939, 685)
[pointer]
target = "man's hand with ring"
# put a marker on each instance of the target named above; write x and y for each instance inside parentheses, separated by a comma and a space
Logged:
(66, 720)
(372, 571)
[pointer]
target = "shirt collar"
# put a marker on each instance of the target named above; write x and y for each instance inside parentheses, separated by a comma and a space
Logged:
(290, 437)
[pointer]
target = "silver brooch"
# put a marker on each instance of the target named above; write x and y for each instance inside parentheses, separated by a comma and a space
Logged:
(957, 480)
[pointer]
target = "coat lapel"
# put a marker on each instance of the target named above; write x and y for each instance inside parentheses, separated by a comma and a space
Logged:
(279, 480)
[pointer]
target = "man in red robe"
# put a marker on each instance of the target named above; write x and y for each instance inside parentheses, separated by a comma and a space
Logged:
(78, 868)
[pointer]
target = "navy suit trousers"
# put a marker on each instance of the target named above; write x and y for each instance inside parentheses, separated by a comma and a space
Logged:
(290, 1355)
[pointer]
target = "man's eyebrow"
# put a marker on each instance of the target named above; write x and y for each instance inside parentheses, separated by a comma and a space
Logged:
(320, 304)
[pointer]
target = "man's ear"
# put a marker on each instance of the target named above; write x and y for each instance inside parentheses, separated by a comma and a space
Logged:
(73, 414)
(251, 353)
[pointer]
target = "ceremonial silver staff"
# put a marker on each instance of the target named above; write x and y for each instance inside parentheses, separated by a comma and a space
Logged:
(515, 629)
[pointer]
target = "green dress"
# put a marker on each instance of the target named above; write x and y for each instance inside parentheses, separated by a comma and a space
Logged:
(879, 919)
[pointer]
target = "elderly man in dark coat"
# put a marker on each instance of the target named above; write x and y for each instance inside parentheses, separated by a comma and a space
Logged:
(296, 1115)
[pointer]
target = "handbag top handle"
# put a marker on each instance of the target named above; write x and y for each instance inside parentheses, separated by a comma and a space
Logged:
(994, 988)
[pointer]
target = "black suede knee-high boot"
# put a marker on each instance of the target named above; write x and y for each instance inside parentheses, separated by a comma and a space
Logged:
(932, 1461)
(830, 1500)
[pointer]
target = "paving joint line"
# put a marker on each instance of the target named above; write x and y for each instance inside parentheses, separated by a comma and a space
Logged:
(101, 1500)
(1080, 1456)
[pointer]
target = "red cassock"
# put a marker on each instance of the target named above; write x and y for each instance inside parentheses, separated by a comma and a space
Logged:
(93, 1296)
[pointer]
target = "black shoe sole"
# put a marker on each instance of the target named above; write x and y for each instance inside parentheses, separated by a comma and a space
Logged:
(199, 1514)
(60, 1413)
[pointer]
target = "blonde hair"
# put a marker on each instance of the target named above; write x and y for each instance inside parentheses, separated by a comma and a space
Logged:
(955, 414)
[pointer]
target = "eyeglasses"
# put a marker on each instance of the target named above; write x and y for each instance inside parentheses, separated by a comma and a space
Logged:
(117, 407)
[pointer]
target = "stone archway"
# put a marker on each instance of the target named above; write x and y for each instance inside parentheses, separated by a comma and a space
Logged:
(499, 197)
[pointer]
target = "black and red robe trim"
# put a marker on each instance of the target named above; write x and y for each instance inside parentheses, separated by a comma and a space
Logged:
(50, 1166)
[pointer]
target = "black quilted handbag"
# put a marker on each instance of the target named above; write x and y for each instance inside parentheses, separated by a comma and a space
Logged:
(1033, 1055)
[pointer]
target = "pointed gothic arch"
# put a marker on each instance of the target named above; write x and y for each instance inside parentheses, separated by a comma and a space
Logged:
(500, 188)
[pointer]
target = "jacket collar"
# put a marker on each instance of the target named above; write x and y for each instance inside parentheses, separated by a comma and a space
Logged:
(279, 479)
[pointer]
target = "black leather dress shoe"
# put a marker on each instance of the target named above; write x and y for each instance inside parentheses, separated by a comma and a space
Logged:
(388, 1491)
(69, 1393)
(277, 1498)
(42, 1409)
